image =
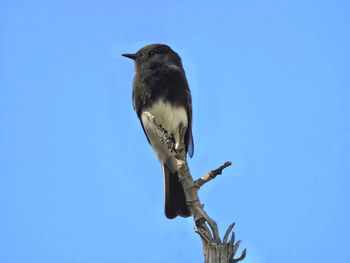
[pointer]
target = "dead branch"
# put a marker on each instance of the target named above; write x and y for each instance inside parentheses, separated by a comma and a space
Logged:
(215, 251)
(211, 175)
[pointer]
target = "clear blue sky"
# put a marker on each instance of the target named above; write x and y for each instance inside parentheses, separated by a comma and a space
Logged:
(270, 85)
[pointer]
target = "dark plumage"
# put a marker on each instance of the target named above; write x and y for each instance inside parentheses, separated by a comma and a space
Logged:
(160, 86)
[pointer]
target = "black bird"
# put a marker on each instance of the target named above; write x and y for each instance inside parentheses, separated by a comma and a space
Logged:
(160, 87)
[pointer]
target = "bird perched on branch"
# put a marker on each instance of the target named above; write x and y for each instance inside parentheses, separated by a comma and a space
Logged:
(160, 87)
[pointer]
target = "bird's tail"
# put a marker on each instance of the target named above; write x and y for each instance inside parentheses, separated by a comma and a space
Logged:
(175, 200)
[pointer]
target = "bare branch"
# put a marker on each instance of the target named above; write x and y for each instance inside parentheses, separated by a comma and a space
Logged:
(214, 250)
(240, 258)
(202, 234)
(228, 232)
(161, 132)
(232, 240)
(191, 194)
(211, 175)
(213, 227)
(236, 246)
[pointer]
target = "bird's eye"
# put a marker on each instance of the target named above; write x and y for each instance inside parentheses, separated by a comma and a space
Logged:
(151, 53)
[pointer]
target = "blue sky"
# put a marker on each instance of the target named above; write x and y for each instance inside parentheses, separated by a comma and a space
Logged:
(270, 87)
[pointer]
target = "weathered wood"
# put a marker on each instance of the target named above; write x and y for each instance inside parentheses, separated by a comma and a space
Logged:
(211, 175)
(214, 250)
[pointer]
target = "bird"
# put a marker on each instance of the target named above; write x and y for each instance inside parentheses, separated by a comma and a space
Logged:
(161, 88)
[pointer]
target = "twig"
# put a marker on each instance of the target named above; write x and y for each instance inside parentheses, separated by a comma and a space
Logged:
(228, 232)
(211, 175)
(234, 260)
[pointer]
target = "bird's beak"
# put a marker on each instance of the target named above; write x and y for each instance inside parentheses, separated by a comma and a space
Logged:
(131, 56)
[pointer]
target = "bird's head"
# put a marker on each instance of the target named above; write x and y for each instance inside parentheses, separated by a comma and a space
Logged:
(155, 56)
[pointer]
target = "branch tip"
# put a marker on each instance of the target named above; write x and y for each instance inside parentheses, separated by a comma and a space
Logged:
(234, 260)
(228, 232)
(211, 175)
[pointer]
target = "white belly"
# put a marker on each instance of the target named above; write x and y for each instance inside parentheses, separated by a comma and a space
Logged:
(170, 117)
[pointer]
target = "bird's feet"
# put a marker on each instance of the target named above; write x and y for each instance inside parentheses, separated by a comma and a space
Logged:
(173, 146)
(171, 143)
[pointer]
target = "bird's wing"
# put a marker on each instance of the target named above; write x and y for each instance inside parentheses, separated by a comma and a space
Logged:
(189, 136)
(136, 103)
(145, 131)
